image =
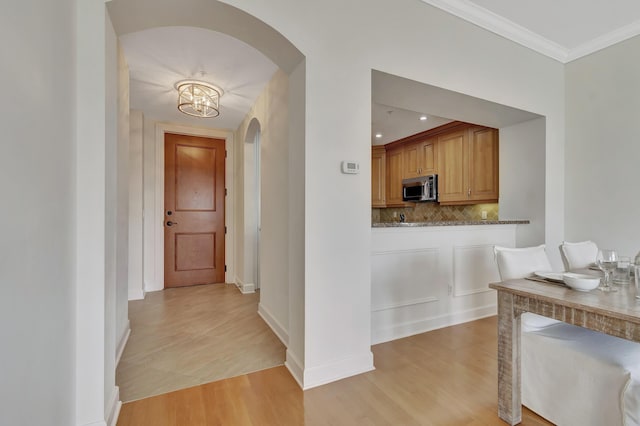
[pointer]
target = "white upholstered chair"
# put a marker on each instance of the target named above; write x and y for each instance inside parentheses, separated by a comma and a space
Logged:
(514, 263)
(570, 375)
(578, 255)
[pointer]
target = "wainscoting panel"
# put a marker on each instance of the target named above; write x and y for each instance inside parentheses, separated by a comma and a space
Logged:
(423, 278)
(401, 278)
(474, 268)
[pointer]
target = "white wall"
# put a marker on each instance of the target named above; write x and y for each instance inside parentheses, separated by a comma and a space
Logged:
(122, 210)
(136, 197)
(427, 45)
(295, 349)
(91, 293)
(271, 111)
(37, 183)
(150, 281)
(522, 179)
(603, 139)
(116, 214)
(431, 277)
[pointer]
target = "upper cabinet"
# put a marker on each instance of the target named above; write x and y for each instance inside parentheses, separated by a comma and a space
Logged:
(468, 166)
(464, 156)
(419, 159)
(483, 164)
(453, 170)
(378, 176)
(395, 167)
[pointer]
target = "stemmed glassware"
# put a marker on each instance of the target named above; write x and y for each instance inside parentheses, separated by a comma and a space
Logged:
(607, 261)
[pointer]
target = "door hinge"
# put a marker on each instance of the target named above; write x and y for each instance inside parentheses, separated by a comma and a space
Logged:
(225, 229)
(225, 153)
(225, 192)
(225, 268)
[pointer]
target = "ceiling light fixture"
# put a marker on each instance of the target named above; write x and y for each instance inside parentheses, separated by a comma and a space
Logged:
(423, 118)
(198, 99)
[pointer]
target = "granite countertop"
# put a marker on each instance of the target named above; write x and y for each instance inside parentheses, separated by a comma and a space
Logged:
(448, 223)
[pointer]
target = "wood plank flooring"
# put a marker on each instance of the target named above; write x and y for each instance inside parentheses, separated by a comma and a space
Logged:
(444, 377)
(182, 337)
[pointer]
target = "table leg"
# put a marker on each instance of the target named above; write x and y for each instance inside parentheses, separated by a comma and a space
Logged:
(509, 403)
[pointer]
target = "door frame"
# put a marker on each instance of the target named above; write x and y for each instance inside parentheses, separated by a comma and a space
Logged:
(158, 211)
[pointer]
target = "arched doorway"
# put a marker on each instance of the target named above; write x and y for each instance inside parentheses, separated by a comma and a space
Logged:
(130, 16)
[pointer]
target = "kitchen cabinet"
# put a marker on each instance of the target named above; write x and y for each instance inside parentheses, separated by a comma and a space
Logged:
(420, 159)
(468, 166)
(378, 176)
(394, 173)
(453, 170)
(463, 155)
(483, 164)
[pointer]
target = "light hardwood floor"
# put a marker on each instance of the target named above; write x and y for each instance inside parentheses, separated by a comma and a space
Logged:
(183, 337)
(444, 377)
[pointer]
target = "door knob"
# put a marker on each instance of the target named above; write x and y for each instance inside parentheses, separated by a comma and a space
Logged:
(169, 223)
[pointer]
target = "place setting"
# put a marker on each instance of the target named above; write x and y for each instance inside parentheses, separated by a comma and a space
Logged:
(606, 274)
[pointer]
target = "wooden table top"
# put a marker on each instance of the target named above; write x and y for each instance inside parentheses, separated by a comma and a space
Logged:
(620, 305)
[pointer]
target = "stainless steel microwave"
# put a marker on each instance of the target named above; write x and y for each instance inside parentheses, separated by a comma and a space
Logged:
(422, 188)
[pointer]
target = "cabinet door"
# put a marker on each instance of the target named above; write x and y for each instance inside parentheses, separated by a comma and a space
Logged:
(411, 161)
(453, 176)
(427, 157)
(395, 165)
(419, 159)
(378, 176)
(483, 164)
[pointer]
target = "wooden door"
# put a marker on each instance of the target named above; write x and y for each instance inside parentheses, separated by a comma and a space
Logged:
(194, 210)
(453, 169)
(378, 176)
(483, 164)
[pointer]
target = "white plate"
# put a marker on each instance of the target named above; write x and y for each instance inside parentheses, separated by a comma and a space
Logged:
(551, 276)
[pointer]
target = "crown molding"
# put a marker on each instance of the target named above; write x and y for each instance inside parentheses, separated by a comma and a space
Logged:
(604, 41)
(501, 26)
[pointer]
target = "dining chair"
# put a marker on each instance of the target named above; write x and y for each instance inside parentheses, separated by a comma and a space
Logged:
(515, 263)
(579, 255)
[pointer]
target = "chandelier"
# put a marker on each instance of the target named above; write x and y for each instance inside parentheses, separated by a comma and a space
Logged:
(198, 98)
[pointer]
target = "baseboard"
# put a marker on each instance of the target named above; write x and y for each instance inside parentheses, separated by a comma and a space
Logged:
(136, 294)
(295, 367)
(114, 407)
(338, 370)
(273, 323)
(123, 342)
(406, 329)
(245, 288)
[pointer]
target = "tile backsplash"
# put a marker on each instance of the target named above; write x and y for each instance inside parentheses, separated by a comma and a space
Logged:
(428, 212)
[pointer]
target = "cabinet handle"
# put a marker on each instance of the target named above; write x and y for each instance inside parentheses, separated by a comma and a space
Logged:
(469, 193)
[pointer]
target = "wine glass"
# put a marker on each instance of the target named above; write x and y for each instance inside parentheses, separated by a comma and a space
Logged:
(606, 261)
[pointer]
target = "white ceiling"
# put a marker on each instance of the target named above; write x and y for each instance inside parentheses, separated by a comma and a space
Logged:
(159, 57)
(561, 29)
(395, 123)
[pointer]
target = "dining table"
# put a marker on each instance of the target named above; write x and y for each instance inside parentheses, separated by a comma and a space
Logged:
(615, 313)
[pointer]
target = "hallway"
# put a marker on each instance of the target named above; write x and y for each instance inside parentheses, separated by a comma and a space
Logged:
(188, 336)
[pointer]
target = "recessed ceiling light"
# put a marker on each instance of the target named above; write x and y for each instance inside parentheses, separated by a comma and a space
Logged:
(378, 135)
(423, 118)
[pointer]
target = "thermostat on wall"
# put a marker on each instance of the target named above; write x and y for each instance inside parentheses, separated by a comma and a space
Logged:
(350, 167)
